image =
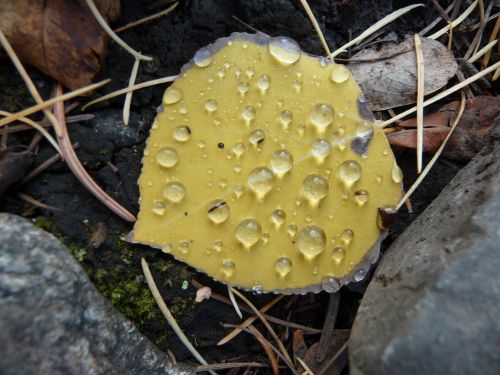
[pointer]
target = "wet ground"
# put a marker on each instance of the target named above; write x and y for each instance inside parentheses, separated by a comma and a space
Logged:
(112, 155)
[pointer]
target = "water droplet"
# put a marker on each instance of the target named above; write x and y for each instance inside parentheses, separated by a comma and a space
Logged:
(184, 246)
(237, 168)
(248, 114)
(278, 217)
(397, 174)
(297, 85)
(350, 172)
(203, 57)
(174, 191)
(201, 144)
(285, 50)
(223, 182)
(292, 230)
(364, 130)
(311, 241)
(315, 188)
(281, 162)
(315, 270)
(183, 109)
(379, 178)
(228, 267)
(167, 248)
(248, 232)
(257, 137)
(330, 284)
(218, 246)
(338, 255)
(322, 116)
(263, 83)
(341, 144)
(243, 88)
(167, 157)
(283, 266)
(239, 149)
(238, 73)
(211, 105)
(359, 274)
(261, 181)
(172, 95)
(347, 236)
(361, 197)
(308, 218)
(340, 73)
(238, 190)
(182, 133)
(320, 149)
(159, 208)
(221, 73)
(286, 117)
(218, 211)
(250, 72)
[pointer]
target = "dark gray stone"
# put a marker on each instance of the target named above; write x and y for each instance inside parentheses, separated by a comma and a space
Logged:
(53, 320)
(433, 304)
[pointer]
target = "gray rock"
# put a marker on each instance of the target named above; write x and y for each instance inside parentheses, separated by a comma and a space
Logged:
(433, 304)
(52, 319)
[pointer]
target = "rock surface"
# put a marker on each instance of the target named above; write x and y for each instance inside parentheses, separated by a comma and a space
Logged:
(432, 306)
(52, 319)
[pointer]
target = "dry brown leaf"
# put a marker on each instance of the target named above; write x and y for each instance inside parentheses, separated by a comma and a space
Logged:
(59, 37)
(326, 366)
(391, 82)
(480, 115)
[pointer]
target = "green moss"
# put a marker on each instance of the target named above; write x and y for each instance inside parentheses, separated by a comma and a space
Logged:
(45, 223)
(126, 252)
(103, 152)
(180, 304)
(78, 252)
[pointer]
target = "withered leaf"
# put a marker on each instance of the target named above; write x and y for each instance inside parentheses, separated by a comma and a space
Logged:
(61, 38)
(391, 82)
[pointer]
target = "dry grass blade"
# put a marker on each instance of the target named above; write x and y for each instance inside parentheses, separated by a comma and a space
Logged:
(267, 348)
(436, 155)
(125, 90)
(378, 25)
(168, 315)
(235, 304)
(147, 19)
(78, 169)
(264, 321)
(482, 51)
(443, 94)
(228, 366)
(128, 97)
(102, 22)
(455, 23)
(36, 202)
(327, 331)
(420, 101)
(311, 16)
(305, 366)
(495, 34)
(334, 358)
(48, 103)
(248, 321)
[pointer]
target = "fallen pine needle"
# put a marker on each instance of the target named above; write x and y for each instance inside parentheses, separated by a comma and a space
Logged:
(482, 52)
(420, 101)
(436, 155)
(315, 24)
(228, 366)
(455, 23)
(36, 202)
(233, 301)
(305, 366)
(168, 315)
(128, 96)
(146, 19)
(268, 348)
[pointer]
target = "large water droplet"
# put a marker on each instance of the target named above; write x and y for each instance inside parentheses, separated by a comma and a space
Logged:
(248, 114)
(261, 181)
(361, 197)
(248, 232)
(211, 105)
(330, 284)
(218, 211)
(311, 241)
(174, 191)
(292, 230)
(203, 57)
(321, 116)
(320, 149)
(278, 217)
(315, 188)
(350, 172)
(364, 130)
(397, 174)
(338, 255)
(167, 157)
(263, 83)
(281, 162)
(285, 50)
(340, 73)
(359, 274)
(228, 267)
(286, 117)
(257, 137)
(283, 266)
(347, 236)
(172, 95)
(182, 133)
(239, 149)
(159, 208)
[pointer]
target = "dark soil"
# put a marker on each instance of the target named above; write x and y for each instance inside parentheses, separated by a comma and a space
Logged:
(114, 266)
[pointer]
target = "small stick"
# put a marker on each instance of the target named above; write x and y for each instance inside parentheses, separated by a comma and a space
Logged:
(305, 366)
(420, 101)
(329, 362)
(493, 36)
(456, 22)
(267, 346)
(328, 325)
(36, 202)
(476, 42)
(147, 19)
(436, 21)
(247, 25)
(227, 366)
(128, 97)
(311, 16)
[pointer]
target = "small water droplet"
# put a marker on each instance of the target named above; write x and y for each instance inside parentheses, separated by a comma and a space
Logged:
(364, 130)
(174, 191)
(286, 117)
(238, 73)
(397, 174)
(341, 144)
(257, 137)
(330, 284)
(248, 232)
(167, 248)
(184, 246)
(211, 105)
(223, 182)
(237, 168)
(228, 267)
(350, 172)
(203, 57)
(359, 274)
(361, 197)
(167, 157)
(338, 255)
(243, 88)
(201, 144)
(285, 50)
(308, 218)
(182, 133)
(278, 217)
(315, 188)
(321, 116)
(320, 149)
(159, 208)
(218, 211)
(283, 266)
(238, 190)
(250, 72)
(221, 73)
(239, 149)
(340, 73)
(263, 83)
(311, 241)
(218, 246)
(315, 270)
(183, 109)
(172, 95)
(297, 85)
(292, 230)
(379, 178)
(248, 114)
(347, 236)
(281, 162)
(261, 181)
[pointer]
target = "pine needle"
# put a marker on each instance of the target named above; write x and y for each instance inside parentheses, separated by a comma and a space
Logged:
(235, 304)
(128, 96)
(482, 51)
(455, 23)
(147, 19)
(305, 366)
(311, 16)
(420, 101)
